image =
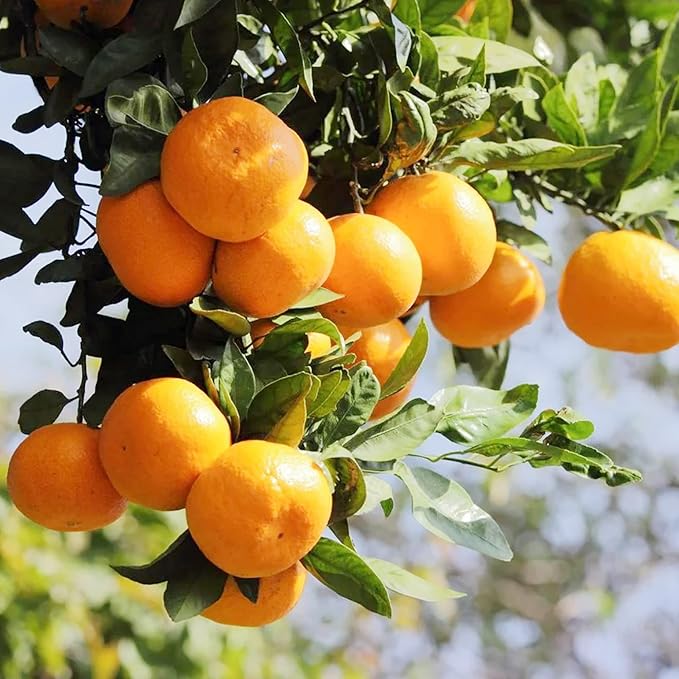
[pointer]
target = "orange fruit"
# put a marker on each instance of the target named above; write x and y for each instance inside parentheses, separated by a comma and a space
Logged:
(620, 291)
(233, 169)
(318, 343)
(421, 299)
(157, 437)
(267, 275)
(278, 595)
(467, 10)
(377, 269)
(55, 478)
(156, 255)
(510, 295)
(258, 509)
(101, 13)
(381, 348)
(450, 223)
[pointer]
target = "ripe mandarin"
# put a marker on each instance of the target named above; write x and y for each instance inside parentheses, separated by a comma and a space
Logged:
(377, 269)
(450, 223)
(157, 437)
(510, 295)
(278, 595)
(233, 169)
(258, 509)
(55, 478)
(267, 275)
(101, 13)
(156, 255)
(620, 291)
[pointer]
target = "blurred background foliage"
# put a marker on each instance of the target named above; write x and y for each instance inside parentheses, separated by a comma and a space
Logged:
(592, 591)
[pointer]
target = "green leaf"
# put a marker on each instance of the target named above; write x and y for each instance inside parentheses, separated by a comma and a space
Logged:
(317, 298)
(249, 588)
(562, 118)
(15, 263)
(277, 102)
(500, 58)
(46, 332)
(192, 10)
(581, 94)
(37, 66)
(414, 134)
(378, 492)
(30, 121)
(564, 422)
(340, 529)
(384, 115)
(354, 408)
(185, 364)
(488, 364)
(445, 509)
(460, 106)
(236, 377)
(191, 591)
(498, 13)
(194, 73)
(24, 179)
(650, 140)
(67, 48)
(474, 414)
(527, 154)
(292, 331)
(656, 196)
(436, 12)
(58, 224)
(274, 401)
(144, 100)
(525, 239)
(668, 152)
(212, 309)
(333, 387)
(289, 430)
(398, 435)
(350, 491)
(135, 158)
(428, 73)
(669, 50)
(477, 69)
(287, 39)
(402, 581)
(409, 363)
(178, 557)
(559, 451)
(503, 99)
(120, 57)
(344, 572)
(41, 409)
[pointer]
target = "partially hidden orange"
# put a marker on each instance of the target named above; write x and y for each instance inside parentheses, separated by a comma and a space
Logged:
(266, 275)
(55, 478)
(101, 13)
(156, 255)
(233, 169)
(278, 594)
(450, 223)
(156, 439)
(510, 295)
(377, 270)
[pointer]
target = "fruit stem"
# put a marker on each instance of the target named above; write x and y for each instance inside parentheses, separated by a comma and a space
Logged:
(82, 362)
(28, 15)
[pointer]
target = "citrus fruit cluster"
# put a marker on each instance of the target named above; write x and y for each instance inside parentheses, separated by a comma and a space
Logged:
(254, 508)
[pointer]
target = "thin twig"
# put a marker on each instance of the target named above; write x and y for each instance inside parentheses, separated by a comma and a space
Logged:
(83, 385)
(330, 15)
(30, 43)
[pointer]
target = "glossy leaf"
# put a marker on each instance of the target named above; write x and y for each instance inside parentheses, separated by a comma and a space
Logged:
(350, 490)
(234, 323)
(500, 58)
(488, 364)
(192, 10)
(409, 363)
(41, 409)
(236, 377)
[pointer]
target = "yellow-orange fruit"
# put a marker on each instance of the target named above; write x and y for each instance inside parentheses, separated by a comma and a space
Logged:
(421, 300)
(278, 595)
(318, 343)
(233, 169)
(620, 291)
(381, 348)
(260, 508)
(55, 478)
(157, 437)
(377, 269)
(101, 13)
(265, 276)
(450, 223)
(510, 295)
(467, 10)
(156, 255)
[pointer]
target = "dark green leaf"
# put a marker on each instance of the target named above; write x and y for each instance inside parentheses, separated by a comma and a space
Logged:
(46, 332)
(344, 572)
(185, 364)
(445, 509)
(399, 580)
(236, 377)
(123, 55)
(333, 387)
(64, 181)
(14, 263)
(212, 309)
(350, 492)
(249, 588)
(340, 529)
(562, 118)
(36, 66)
(67, 48)
(30, 121)
(41, 409)
(277, 102)
(525, 239)
(192, 10)
(135, 158)
(291, 331)
(190, 592)
(24, 179)
(409, 363)
(488, 364)
(194, 71)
